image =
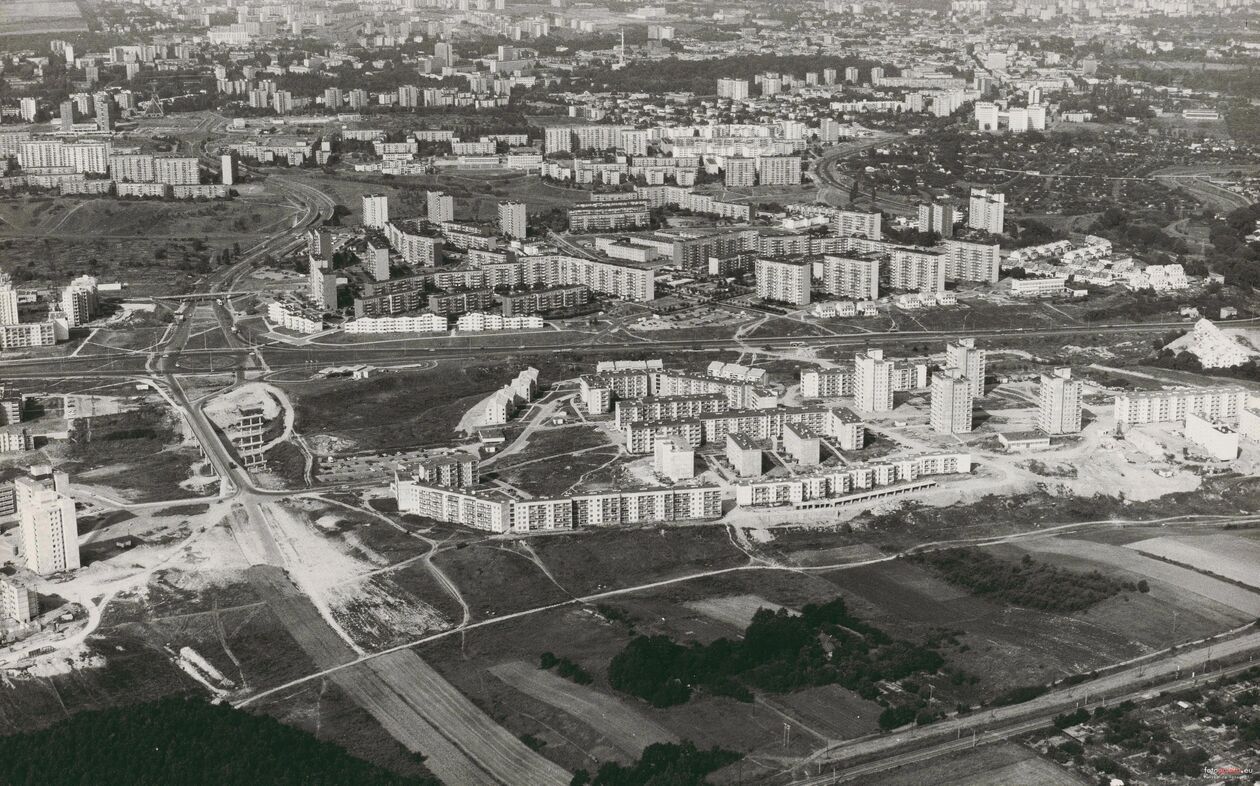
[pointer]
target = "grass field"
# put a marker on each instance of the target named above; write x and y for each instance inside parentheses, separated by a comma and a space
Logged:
(138, 454)
(396, 408)
(556, 459)
(477, 194)
(483, 572)
(592, 561)
(156, 247)
(22, 17)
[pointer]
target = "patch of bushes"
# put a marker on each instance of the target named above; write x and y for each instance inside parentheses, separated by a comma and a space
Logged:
(662, 764)
(780, 652)
(565, 668)
(1027, 583)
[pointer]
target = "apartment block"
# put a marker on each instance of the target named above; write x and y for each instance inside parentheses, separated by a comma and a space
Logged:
(495, 511)
(852, 223)
(375, 211)
(458, 470)
(545, 300)
(609, 216)
(744, 455)
(803, 444)
(674, 459)
(513, 220)
(779, 170)
(48, 522)
(917, 270)
(734, 89)
(853, 276)
(852, 484)
(1059, 403)
(951, 402)
(987, 211)
(446, 304)
(938, 217)
(439, 207)
(655, 408)
(19, 604)
(739, 172)
(1223, 404)
(872, 381)
(783, 280)
(966, 261)
(963, 355)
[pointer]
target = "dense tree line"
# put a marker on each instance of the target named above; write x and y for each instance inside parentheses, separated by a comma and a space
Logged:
(780, 652)
(184, 741)
(1231, 255)
(662, 764)
(1027, 583)
(1136, 232)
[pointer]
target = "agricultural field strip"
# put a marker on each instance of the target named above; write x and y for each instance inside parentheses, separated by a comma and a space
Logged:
(1125, 558)
(618, 723)
(1234, 558)
(1045, 532)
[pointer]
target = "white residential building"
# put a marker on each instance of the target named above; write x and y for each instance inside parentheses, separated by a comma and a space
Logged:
(49, 525)
(855, 276)
(1218, 441)
(440, 207)
(734, 89)
(1222, 404)
(513, 220)
(375, 211)
(917, 270)
(969, 360)
(987, 211)
(952, 402)
(19, 603)
(872, 381)
(1059, 403)
(966, 261)
(674, 458)
(783, 280)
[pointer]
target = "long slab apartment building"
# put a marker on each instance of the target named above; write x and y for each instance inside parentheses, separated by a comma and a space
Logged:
(1224, 404)
(567, 280)
(908, 374)
(759, 424)
(637, 380)
(496, 511)
(850, 484)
